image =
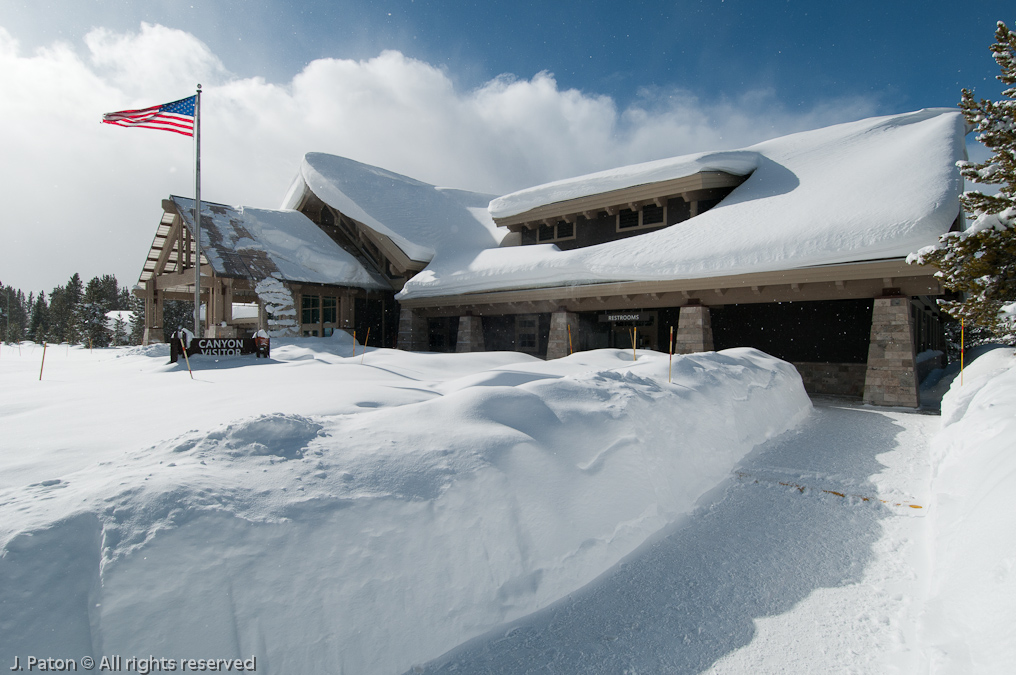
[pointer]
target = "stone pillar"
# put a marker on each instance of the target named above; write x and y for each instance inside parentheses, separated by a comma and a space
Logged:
(413, 335)
(891, 378)
(557, 345)
(470, 338)
(694, 330)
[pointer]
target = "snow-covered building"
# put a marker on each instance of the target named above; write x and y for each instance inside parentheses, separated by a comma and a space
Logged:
(302, 281)
(796, 246)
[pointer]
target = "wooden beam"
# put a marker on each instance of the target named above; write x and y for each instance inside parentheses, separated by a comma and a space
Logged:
(185, 278)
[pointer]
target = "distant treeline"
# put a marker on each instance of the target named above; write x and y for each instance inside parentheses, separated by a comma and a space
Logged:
(75, 313)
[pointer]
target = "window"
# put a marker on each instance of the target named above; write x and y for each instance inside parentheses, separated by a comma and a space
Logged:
(310, 306)
(652, 215)
(328, 310)
(649, 215)
(627, 219)
(526, 329)
(558, 232)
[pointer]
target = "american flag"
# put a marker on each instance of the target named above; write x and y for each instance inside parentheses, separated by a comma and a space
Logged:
(177, 116)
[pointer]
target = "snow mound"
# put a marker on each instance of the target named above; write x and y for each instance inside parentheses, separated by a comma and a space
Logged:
(972, 606)
(280, 435)
(336, 514)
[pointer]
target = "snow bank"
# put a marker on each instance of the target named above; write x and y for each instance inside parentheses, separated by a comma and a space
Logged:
(969, 620)
(338, 512)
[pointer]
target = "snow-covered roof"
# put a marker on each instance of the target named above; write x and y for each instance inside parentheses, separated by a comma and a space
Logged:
(738, 163)
(254, 244)
(868, 190)
(419, 218)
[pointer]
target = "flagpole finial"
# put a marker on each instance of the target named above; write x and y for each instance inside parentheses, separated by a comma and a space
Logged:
(199, 87)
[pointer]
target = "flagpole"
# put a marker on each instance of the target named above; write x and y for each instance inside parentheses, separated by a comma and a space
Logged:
(197, 214)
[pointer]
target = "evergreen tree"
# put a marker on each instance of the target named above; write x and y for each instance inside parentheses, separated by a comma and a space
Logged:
(38, 323)
(137, 327)
(981, 260)
(177, 314)
(60, 316)
(100, 296)
(120, 335)
(124, 299)
(14, 311)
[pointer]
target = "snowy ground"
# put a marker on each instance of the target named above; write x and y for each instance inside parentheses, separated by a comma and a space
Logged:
(330, 512)
(774, 572)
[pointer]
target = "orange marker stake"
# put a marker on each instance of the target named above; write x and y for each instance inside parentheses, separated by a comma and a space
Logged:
(961, 352)
(670, 367)
(365, 341)
(43, 361)
(570, 350)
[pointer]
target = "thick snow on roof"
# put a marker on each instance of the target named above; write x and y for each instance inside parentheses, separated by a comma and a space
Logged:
(867, 190)
(421, 219)
(739, 163)
(257, 243)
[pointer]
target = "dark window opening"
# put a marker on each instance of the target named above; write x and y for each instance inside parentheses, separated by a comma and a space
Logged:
(329, 311)
(627, 219)
(310, 306)
(652, 214)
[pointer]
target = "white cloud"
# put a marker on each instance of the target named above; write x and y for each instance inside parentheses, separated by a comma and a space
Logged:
(81, 196)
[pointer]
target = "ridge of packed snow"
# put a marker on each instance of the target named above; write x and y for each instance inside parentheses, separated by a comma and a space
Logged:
(424, 500)
(971, 609)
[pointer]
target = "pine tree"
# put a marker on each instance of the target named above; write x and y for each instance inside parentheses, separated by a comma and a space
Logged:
(38, 324)
(981, 260)
(100, 296)
(177, 314)
(14, 311)
(119, 332)
(59, 317)
(137, 328)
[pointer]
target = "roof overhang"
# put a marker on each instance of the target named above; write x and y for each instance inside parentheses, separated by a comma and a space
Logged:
(867, 279)
(687, 187)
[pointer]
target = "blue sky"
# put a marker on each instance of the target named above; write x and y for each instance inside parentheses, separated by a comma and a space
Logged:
(485, 96)
(903, 54)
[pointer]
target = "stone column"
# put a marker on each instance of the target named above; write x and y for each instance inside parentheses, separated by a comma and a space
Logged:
(891, 378)
(557, 345)
(470, 338)
(694, 330)
(413, 335)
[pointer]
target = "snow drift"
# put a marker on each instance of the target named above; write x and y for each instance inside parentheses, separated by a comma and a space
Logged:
(325, 515)
(971, 611)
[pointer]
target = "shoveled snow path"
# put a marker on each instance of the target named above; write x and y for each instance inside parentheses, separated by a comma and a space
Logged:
(773, 572)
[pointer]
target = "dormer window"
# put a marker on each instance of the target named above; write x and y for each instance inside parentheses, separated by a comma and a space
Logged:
(649, 215)
(558, 232)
